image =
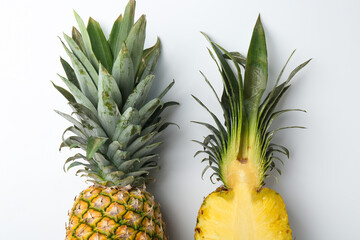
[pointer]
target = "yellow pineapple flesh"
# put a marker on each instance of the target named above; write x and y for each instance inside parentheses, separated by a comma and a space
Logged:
(241, 214)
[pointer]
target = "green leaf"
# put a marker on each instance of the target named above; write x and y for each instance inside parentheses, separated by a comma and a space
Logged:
(108, 111)
(82, 58)
(130, 116)
(135, 41)
(140, 93)
(83, 112)
(113, 147)
(141, 181)
(121, 28)
(237, 84)
(78, 131)
(88, 170)
(231, 84)
(138, 173)
(127, 165)
(75, 164)
(128, 134)
(91, 128)
(93, 146)
(240, 59)
(110, 86)
(146, 150)
(76, 35)
(119, 157)
(65, 93)
(123, 72)
(113, 41)
(222, 130)
(211, 160)
(148, 109)
(211, 128)
(165, 125)
(211, 137)
(297, 69)
(69, 71)
(73, 158)
(79, 96)
(163, 93)
(256, 73)
(105, 165)
(149, 129)
(149, 60)
(140, 142)
(99, 44)
(274, 150)
(273, 116)
(114, 176)
(86, 41)
(204, 171)
(75, 142)
(225, 108)
(282, 71)
(146, 160)
(69, 118)
(276, 93)
(206, 152)
(214, 149)
(155, 116)
(97, 178)
(287, 152)
(271, 102)
(86, 83)
(125, 181)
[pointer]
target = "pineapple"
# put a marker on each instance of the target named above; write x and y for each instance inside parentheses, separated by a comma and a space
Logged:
(116, 126)
(241, 152)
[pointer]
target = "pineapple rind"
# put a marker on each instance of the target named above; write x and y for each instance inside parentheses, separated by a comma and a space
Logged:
(243, 215)
(115, 213)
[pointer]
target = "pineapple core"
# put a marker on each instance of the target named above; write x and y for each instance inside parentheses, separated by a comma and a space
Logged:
(242, 212)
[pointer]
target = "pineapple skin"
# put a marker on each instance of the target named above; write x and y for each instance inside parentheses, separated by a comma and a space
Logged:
(243, 214)
(101, 213)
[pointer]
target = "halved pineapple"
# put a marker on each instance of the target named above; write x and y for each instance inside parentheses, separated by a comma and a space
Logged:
(243, 214)
(241, 151)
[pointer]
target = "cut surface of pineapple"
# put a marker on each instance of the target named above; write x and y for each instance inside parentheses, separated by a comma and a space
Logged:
(243, 214)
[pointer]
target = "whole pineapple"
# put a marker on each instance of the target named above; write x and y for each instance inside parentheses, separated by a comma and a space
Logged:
(116, 125)
(241, 152)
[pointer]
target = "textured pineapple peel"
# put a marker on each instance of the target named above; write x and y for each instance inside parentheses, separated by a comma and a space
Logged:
(241, 152)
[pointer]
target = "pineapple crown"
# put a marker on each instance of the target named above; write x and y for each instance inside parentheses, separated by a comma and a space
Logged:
(109, 82)
(246, 136)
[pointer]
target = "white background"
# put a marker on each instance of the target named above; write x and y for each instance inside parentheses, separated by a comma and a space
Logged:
(320, 181)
